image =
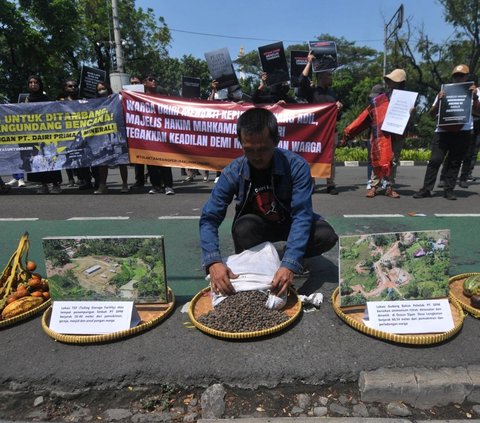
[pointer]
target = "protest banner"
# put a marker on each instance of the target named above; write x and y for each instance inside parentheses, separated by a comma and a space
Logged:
(201, 134)
(55, 135)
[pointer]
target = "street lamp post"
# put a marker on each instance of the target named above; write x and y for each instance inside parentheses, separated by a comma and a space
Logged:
(118, 78)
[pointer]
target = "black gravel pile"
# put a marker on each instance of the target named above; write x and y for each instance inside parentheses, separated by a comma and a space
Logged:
(243, 312)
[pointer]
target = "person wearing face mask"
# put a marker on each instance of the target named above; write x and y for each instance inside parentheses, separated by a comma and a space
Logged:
(453, 141)
(278, 93)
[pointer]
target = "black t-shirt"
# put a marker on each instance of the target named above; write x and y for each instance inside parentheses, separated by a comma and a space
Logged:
(261, 200)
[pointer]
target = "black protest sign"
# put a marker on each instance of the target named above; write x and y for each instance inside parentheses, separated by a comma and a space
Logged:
(190, 87)
(274, 63)
(325, 53)
(456, 106)
(89, 78)
(221, 68)
(298, 61)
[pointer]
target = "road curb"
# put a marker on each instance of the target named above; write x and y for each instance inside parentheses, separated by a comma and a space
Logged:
(421, 387)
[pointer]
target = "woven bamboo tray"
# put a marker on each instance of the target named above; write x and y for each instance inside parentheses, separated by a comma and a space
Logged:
(355, 320)
(202, 303)
(26, 315)
(456, 292)
(151, 315)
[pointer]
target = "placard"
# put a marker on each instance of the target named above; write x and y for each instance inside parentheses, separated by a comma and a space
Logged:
(298, 61)
(274, 63)
(89, 77)
(221, 68)
(456, 107)
(92, 317)
(190, 87)
(106, 268)
(395, 266)
(325, 53)
(410, 317)
(398, 111)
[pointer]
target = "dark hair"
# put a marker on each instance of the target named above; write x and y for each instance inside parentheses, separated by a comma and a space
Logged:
(69, 79)
(38, 79)
(255, 120)
(106, 85)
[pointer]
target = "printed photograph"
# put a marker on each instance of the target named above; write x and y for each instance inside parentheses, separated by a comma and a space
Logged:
(393, 266)
(106, 268)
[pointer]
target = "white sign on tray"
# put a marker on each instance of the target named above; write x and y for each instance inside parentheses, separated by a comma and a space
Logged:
(92, 317)
(410, 317)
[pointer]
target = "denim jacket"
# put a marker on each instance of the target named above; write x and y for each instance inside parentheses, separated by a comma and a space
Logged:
(292, 188)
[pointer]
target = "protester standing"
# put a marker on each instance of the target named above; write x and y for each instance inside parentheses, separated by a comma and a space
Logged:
(453, 141)
(321, 93)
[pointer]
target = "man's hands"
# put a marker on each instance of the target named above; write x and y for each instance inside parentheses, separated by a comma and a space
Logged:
(282, 279)
(220, 276)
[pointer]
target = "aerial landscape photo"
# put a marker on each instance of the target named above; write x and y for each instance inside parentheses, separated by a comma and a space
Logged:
(393, 266)
(106, 268)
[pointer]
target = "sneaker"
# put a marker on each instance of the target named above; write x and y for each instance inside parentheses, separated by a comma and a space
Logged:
(441, 184)
(216, 179)
(332, 190)
(205, 179)
(155, 190)
(71, 182)
(369, 184)
(103, 190)
(11, 183)
(21, 183)
(124, 189)
(461, 184)
(391, 193)
(43, 190)
(55, 189)
(169, 191)
(372, 192)
(423, 193)
(189, 178)
(449, 195)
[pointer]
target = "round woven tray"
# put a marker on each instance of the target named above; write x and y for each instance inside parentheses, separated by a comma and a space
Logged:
(202, 303)
(355, 320)
(26, 315)
(151, 315)
(456, 292)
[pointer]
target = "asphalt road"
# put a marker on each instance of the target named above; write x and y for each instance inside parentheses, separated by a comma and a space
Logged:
(318, 348)
(189, 198)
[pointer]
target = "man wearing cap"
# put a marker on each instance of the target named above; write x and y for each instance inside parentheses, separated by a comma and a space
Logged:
(386, 156)
(453, 141)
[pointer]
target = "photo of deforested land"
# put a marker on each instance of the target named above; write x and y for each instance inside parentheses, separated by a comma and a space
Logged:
(108, 269)
(393, 266)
